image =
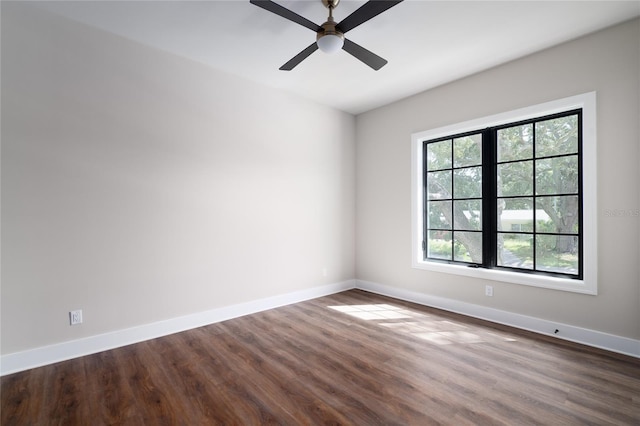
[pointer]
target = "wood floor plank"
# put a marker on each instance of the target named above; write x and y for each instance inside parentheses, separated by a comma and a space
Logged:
(186, 376)
(373, 382)
(22, 397)
(352, 358)
(248, 387)
(65, 399)
(113, 399)
(153, 395)
(293, 362)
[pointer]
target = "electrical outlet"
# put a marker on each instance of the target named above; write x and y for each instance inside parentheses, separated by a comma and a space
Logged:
(488, 291)
(75, 317)
(324, 272)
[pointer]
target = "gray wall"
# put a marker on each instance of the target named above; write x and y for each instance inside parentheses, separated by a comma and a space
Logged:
(606, 62)
(139, 186)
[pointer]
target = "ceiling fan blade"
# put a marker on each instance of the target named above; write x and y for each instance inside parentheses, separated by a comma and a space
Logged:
(286, 13)
(369, 10)
(293, 62)
(359, 52)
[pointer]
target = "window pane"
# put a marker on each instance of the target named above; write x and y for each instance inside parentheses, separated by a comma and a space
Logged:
(515, 214)
(557, 253)
(515, 179)
(439, 245)
(467, 183)
(515, 143)
(515, 250)
(558, 214)
(557, 136)
(439, 185)
(438, 212)
(439, 155)
(557, 175)
(467, 215)
(467, 151)
(468, 246)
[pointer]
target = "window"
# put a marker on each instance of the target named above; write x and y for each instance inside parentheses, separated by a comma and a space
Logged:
(510, 197)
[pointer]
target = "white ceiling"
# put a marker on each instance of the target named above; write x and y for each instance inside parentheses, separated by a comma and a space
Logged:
(427, 43)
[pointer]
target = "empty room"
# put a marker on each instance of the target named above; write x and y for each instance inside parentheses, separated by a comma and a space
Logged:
(350, 212)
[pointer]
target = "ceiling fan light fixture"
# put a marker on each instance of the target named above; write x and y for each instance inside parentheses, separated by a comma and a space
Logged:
(330, 43)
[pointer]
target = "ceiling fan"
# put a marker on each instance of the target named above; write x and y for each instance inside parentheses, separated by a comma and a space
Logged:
(330, 35)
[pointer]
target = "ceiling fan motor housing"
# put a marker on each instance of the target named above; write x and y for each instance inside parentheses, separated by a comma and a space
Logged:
(329, 28)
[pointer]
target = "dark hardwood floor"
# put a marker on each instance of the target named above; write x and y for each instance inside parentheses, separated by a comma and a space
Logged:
(350, 358)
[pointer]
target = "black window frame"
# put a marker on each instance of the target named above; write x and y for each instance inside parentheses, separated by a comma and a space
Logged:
(489, 197)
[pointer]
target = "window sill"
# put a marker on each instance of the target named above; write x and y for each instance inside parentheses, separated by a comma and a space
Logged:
(555, 283)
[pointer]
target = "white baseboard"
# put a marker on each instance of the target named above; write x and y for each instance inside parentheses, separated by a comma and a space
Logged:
(20, 361)
(585, 336)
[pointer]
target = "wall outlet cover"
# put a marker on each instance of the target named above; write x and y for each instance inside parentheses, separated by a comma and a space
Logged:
(75, 317)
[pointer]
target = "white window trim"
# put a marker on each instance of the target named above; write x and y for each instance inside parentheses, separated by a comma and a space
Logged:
(589, 283)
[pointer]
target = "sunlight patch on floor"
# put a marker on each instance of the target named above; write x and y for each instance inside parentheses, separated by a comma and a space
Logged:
(423, 326)
(374, 312)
